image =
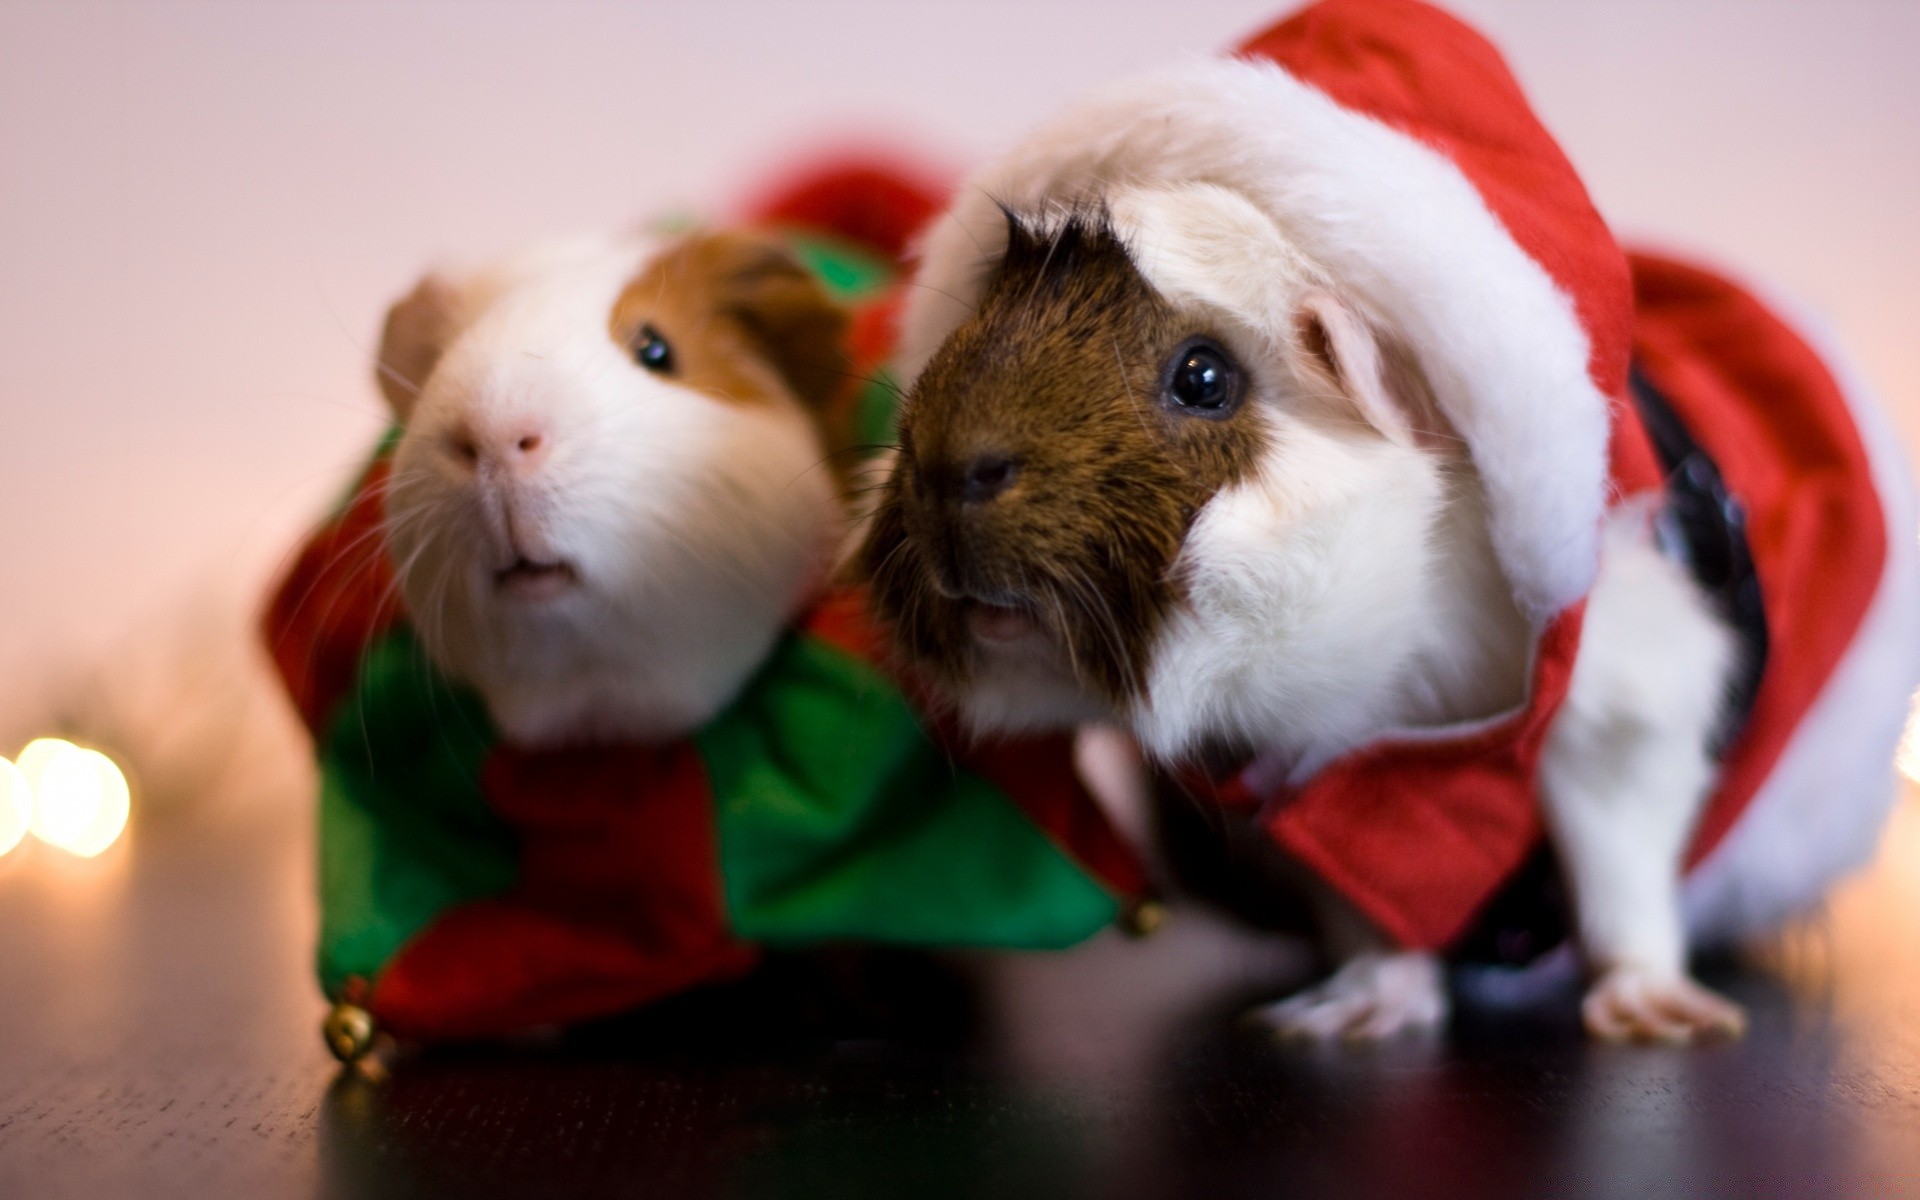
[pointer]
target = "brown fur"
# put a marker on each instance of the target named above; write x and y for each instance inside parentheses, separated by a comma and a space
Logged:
(1061, 369)
(726, 301)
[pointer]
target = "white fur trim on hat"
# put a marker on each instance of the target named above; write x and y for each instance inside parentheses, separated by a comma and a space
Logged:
(1393, 221)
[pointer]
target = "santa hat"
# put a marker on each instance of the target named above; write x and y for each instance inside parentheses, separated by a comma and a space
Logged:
(1393, 146)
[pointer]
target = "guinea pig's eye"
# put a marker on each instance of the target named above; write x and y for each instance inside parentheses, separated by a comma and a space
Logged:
(651, 351)
(1202, 380)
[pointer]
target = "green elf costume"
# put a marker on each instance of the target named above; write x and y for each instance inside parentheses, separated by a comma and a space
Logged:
(472, 888)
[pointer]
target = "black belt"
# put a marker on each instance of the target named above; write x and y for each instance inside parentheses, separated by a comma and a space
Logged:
(1703, 525)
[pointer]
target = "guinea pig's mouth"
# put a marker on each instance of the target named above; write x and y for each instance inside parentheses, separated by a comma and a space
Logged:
(530, 580)
(996, 617)
(993, 615)
(995, 623)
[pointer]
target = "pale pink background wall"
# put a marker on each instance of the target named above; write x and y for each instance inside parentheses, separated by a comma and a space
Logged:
(205, 207)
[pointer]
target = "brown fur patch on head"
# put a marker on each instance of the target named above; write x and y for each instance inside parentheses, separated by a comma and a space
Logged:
(1063, 372)
(732, 305)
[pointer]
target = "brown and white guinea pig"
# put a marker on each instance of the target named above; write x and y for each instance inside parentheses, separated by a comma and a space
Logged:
(1126, 495)
(614, 484)
(1172, 456)
(1164, 470)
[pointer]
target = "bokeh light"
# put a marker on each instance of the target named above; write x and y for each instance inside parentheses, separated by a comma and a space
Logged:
(81, 799)
(34, 758)
(16, 806)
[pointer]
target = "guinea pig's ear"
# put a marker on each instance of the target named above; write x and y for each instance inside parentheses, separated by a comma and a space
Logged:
(1336, 350)
(419, 327)
(786, 312)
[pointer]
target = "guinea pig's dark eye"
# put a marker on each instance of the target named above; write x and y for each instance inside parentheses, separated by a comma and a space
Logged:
(651, 351)
(1202, 380)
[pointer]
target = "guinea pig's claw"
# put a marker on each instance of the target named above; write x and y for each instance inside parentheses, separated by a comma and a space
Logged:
(1632, 1004)
(1372, 998)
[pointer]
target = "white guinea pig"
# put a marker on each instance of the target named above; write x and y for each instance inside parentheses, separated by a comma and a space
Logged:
(613, 487)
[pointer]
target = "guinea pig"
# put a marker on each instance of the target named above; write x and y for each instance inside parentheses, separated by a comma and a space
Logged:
(1289, 435)
(614, 483)
(1114, 499)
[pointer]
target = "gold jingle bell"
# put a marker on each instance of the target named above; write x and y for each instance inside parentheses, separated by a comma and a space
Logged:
(1142, 917)
(349, 1031)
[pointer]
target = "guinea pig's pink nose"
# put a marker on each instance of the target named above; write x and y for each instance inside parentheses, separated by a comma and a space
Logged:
(528, 445)
(461, 447)
(514, 448)
(521, 448)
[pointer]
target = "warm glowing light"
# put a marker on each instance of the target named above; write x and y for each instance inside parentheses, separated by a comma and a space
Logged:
(16, 806)
(34, 758)
(80, 798)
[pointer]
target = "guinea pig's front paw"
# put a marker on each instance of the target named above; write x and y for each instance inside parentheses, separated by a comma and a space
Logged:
(1636, 1004)
(1371, 998)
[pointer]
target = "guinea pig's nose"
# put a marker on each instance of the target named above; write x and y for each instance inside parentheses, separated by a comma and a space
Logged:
(513, 448)
(986, 476)
(527, 445)
(461, 447)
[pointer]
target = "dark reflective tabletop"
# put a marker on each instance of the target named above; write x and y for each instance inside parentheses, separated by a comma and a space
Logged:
(158, 1038)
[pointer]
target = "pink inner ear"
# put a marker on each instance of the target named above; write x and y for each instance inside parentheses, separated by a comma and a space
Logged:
(1340, 347)
(417, 330)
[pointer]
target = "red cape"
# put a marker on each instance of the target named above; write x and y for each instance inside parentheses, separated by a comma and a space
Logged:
(1419, 833)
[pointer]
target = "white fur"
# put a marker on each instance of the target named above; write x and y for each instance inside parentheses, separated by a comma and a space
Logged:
(1335, 598)
(1392, 219)
(1309, 595)
(696, 525)
(1024, 685)
(1626, 771)
(1206, 246)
